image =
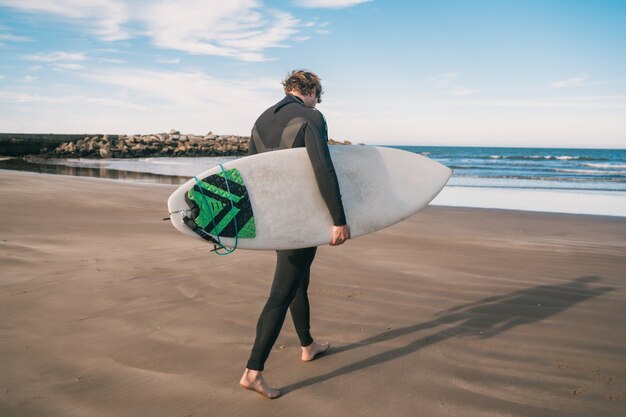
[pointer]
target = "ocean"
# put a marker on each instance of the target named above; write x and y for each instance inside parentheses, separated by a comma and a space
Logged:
(579, 181)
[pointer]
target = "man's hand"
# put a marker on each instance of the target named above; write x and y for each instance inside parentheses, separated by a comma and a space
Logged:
(340, 235)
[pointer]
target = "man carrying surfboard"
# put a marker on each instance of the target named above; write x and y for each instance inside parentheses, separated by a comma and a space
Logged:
(294, 122)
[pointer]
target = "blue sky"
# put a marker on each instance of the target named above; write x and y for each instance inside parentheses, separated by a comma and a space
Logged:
(465, 73)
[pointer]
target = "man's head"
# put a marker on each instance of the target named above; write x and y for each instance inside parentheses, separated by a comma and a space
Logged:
(304, 84)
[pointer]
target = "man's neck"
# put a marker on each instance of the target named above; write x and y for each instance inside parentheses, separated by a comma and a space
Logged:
(296, 96)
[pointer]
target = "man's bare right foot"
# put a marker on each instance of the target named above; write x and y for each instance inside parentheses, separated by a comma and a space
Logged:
(310, 352)
(254, 381)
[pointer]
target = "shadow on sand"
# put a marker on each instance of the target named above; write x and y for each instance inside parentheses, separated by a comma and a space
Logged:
(483, 319)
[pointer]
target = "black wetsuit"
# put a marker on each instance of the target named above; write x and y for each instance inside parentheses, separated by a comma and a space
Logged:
(290, 124)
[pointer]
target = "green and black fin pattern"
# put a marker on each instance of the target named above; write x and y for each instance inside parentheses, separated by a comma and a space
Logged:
(213, 191)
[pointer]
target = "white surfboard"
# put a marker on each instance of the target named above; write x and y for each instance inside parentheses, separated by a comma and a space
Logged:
(379, 187)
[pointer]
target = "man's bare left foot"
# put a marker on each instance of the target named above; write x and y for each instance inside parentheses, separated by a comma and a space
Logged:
(254, 381)
(310, 352)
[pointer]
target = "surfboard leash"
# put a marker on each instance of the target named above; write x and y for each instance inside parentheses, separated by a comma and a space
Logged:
(188, 221)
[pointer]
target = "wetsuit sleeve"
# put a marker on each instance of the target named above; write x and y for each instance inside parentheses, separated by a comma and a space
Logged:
(316, 142)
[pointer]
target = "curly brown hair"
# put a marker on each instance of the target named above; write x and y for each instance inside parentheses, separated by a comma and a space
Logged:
(304, 82)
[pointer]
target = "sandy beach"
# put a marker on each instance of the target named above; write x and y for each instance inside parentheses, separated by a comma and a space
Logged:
(108, 311)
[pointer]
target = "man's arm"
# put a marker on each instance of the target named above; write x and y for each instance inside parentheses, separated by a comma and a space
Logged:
(317, 148)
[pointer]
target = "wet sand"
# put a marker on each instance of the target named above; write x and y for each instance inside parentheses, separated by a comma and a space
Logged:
(108, 311)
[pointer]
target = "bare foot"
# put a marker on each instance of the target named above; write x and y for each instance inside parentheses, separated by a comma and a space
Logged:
(254, 381)
(310, 352)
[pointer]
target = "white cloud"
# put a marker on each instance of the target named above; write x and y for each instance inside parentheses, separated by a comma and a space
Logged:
(191, 100)
(13, 38)
(104, 101)
(62, 60)
(445, 84)
(29, 98)
(241, 29)
(168, 60)
(582, 81)
(59, 60)
(18, 97)
(570, 82)
(188, 88)
(464, 92)
(111, 60)
(105, 17)
(99, 99)
(443, 80)
(69, 66)
(56, 57)
(29, 79)
(613, 102)
(329, 4)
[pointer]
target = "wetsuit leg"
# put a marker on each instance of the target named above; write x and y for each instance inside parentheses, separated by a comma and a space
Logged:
(292, 268)
(300, 309)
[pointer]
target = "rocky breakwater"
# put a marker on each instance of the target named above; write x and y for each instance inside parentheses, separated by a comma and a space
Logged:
(161, 144)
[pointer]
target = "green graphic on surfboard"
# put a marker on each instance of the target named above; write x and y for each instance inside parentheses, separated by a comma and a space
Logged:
(212, 210)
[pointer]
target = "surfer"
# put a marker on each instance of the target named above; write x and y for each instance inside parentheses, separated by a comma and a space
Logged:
(294, 122)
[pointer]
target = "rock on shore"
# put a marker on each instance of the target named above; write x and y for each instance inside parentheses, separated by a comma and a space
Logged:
(160, 144)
